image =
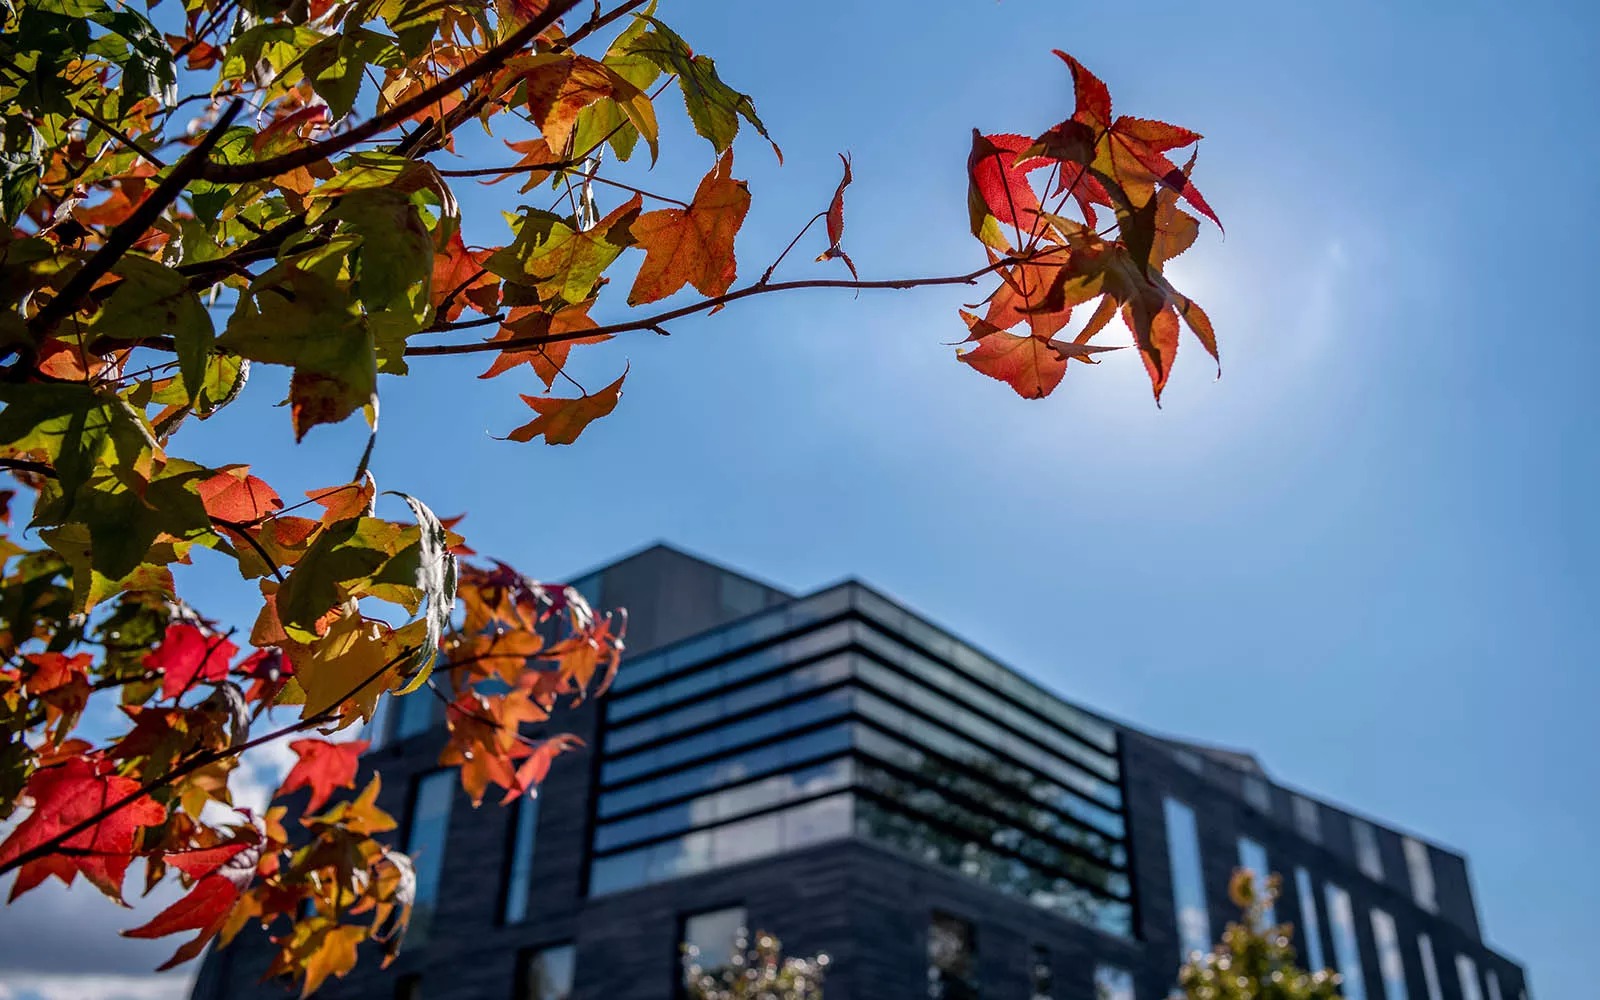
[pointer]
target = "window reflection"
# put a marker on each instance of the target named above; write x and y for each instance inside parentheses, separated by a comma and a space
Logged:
(1308, 819)
(1368, 858)
(1391, 967)
(1111, 983)
(1346, 951)
(415, 713)
(1494, 985)
(1467, 973)
(1430, 968)
(1419, 865)
(935, 845)
(1188, 882)
(744, 840)
(548, 973)
(711, 940)
(1253, 858)
(1257, 792)
(425, 843)
(952, 958)
(519, 878)
(1311, 928)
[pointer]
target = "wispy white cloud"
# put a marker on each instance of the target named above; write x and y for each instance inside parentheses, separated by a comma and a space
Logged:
(65, 986)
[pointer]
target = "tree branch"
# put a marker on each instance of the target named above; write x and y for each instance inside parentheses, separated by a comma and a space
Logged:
(651, 322)
(491, 60)
(188, 767)
(131, 229)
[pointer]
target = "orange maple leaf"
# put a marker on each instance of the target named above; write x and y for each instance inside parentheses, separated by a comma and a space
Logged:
(693, 245)
(562, 420)
(1033, 366)
(460, 279)
(546, 359)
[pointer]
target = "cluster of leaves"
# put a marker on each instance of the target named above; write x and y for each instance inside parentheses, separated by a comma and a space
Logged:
(1051, 263)
(756, 970)
(294, 209)
(159, 792)
(1254, 961)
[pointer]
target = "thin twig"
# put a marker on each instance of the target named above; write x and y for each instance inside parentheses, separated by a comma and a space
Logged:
(766, 275)
(653, 322)
(131, 229)
(491, 60)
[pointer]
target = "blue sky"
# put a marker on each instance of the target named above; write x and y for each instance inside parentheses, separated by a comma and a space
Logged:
(1366, 552)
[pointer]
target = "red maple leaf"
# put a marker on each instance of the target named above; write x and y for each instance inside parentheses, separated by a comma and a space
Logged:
(204, 909)
(533, 770)
(65, 796)
(1129, 151)
(235, 495)
(322, 767)
(187, 655)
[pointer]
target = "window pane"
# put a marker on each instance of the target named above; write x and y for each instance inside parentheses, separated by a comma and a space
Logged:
(1419, 864)
(1308, 819)
(519, 879)
(1390, 965)
(1253, 858)
(1342, 920)
(710, 940)
(1112, 983)
(1430, 968)
(425, 838)
(1367, 856)
(549, 973)
(1257, 793)
(1467, 972)
(1311, 929)
(416, 713)
(1494, 985)
(952, 958)
(1188, 884)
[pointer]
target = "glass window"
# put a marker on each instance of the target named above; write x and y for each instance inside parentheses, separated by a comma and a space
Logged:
(1467, 972)
(1111, 983)
(1494, 985)
(1253, 858)
(740, 597)
(1257, 792)
(547, 974)
(1367, 856)
(1308, 819)
(711, 940)
(416, 713)
(1346, 949)
(952, 958)
(1430, 968)
(1040, 973)
(1390, 965)
(519, 875)
(1311, 927)
(426, 829)
(1419, 864)
(1190, 760)
(1188, 882)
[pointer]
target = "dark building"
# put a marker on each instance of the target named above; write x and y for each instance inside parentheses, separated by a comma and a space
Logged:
(840, 772)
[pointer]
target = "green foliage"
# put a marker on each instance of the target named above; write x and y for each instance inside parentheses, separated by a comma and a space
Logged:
(1254, 961)
(757, 971)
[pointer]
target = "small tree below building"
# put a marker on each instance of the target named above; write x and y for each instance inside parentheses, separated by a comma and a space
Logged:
(1254, 961)
(755, 971)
